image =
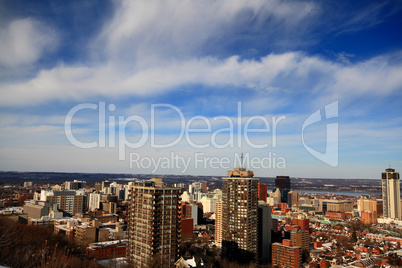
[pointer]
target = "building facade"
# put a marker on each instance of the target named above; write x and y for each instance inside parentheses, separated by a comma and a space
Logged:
(153, 224)
(218, 223)
(239, 215)
(391, 194)
(286, 255)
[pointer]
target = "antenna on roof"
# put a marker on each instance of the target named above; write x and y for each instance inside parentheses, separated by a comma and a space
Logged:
(241, 161)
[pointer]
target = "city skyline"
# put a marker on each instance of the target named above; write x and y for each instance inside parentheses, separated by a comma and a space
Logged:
(227, 65)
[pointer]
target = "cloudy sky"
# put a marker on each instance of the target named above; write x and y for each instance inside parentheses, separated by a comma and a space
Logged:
(184, 87)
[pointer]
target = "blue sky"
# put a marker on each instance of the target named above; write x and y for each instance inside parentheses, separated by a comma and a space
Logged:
(230, 64)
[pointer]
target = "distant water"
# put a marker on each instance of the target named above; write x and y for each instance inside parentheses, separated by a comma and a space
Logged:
(340, 193)
(336, 193)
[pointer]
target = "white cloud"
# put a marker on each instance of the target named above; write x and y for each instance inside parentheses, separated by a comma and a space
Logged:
(287, 72)
(146, 32)
(24, 41)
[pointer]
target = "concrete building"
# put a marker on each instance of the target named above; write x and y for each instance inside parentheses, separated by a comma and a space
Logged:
(94, 201)
(105, 184)
(36, 209)
(84, 234)
(71, 202)
(186, 197)
(391, 194)
(153, 224)
(335, 205)
(208, 204)
(286, 255)
(239, 209)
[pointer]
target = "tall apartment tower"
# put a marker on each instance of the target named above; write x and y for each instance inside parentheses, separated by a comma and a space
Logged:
(153, 224)
(391, 194)
(239, 215)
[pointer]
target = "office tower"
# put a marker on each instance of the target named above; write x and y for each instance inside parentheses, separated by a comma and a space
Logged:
(262, 191)
(391, 194)
(153, 224)
(286, 255)
(218, 223)
(282, 182)
(75, 185)
(264, 235)
(239, 209)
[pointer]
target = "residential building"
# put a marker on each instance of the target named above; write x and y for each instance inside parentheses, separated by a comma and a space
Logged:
(153, 224)
(239, 209)
(300, 238)
(84, 234)
(286, 255)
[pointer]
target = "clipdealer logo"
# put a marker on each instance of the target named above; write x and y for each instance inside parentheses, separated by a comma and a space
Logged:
(113, 132)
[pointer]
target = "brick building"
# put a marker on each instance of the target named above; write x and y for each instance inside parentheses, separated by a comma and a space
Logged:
(286, 255)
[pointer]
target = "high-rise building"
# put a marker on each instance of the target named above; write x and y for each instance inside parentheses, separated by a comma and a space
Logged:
(391, 194)
(282, 182)
(218, 223)
(264, 235)
(239, 215)
(286, 254)
(153, 224)
(262, 191)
